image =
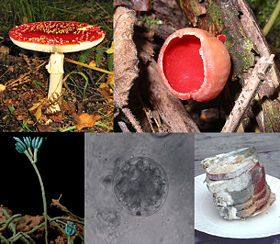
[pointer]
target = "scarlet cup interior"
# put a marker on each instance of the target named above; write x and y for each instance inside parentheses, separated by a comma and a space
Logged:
(183, 65)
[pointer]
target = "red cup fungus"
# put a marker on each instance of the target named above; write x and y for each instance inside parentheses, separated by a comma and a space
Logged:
(56, 37)
(194, 64)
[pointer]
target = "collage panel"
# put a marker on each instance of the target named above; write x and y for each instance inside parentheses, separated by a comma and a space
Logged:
(139, 188)
(42, 191)
(196, 66)
(237, 185)
(164, 70)
(56, 66)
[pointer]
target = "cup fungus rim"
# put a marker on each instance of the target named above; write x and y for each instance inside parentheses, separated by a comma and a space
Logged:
(201, 35)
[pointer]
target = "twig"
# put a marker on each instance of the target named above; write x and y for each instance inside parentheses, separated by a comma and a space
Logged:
(88, 66)
(19, 80)
(123, 126)
(272, 19)
(248, 93)
(132, 120)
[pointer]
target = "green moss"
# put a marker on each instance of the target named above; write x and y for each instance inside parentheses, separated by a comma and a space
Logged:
(215, 13)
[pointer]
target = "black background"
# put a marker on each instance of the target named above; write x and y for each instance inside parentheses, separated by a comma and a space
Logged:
(61, 165)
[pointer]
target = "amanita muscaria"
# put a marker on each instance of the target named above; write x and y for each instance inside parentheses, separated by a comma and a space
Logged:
(56, 37)
(194, 64)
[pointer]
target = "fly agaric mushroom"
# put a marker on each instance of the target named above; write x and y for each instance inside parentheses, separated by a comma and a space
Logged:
(194, 64)
(56, 37)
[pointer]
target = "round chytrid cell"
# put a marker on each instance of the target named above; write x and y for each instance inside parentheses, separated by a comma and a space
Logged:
(140, 186)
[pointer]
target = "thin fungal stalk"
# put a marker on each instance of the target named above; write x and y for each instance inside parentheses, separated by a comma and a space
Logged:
(25, 147)
(44, 201)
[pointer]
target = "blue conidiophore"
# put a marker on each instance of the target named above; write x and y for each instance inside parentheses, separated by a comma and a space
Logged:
(20, 146)
(37, 142)
(27, 141)
(70, 229)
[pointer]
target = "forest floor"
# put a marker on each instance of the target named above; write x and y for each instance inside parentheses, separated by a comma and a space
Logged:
(87, 97)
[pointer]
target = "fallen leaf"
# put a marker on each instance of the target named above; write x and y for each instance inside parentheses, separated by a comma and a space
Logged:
(68, 107)
(2, 88)
(45, 128)
(57, 117)
(85, 120)
(105, 90)
(111, 49)
(110, 80)
(38, 113)
(38, 106)
(35, 106)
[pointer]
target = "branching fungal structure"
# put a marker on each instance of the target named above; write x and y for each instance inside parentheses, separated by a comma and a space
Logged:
(69, 225)
(25, 147)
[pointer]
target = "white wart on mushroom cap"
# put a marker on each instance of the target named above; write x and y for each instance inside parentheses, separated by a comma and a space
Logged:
(56, 36)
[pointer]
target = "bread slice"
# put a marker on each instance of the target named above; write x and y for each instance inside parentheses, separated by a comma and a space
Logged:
(251, 201)
(237, 181)
(256, 206)
(229, 165)
(240, 189)
(270, 201)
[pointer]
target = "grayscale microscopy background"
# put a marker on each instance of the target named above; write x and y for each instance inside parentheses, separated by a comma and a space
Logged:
(107, 221)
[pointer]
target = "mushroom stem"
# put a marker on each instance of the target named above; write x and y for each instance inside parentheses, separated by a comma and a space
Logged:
(55, 68)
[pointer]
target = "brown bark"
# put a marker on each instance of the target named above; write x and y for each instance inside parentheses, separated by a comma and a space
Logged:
(125, 60)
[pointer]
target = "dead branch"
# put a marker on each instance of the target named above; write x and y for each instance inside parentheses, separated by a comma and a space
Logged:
(170, 109)
(248, 93)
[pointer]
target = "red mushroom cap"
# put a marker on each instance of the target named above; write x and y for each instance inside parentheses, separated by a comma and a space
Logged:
(56, 36)
(194, 64)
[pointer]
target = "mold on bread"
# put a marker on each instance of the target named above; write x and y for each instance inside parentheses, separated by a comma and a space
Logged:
(237, 182)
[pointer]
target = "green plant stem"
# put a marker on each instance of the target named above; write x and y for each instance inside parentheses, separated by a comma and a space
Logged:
(272, 19)
(44, 201)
